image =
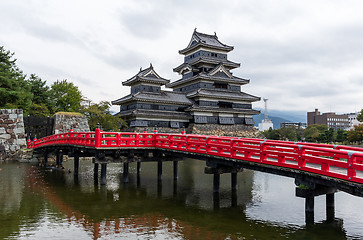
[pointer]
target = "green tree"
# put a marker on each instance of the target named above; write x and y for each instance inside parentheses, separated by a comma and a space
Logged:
(360, 116)
(14, 89)
(65, 96)
(272, 134)
(311, 133)
(100, 113)
(341, 135)
(356, 134)
(288, 133)
(41, 104)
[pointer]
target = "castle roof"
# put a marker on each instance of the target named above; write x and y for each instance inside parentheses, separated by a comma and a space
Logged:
(147, 75)
(196, 108)
(155, 114)
(223, 94)
(162, 97)
(202, 59)
(205, 40)
(218, 74)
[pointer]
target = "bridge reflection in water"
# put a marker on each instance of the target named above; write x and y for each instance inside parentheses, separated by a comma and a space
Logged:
(135, 210)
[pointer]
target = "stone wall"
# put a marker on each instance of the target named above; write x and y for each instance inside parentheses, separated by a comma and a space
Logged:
(206, 129)
(63, 122)
(12, 134)
(224, 130)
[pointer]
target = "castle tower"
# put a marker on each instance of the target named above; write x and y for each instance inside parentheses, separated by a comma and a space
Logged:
(207, 81)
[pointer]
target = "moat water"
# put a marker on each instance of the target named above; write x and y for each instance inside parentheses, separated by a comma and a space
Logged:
(39, 204)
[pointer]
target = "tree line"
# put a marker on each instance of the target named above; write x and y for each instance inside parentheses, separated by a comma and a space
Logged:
(36, 98)
(318, 133)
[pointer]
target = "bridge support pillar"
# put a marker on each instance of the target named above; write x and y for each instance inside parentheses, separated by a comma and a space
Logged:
(45, 156)
(126, 172)
(330, 207)
(216, 182)
(59, 159)
(308, 189)
(76, 164)
(175, 170)
(234, 181)
(95, 173)
(309, 210)
(138, 171)
(103, 173)
(160, 170)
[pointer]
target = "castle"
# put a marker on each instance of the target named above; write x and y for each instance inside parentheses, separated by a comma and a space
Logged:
(206, 93)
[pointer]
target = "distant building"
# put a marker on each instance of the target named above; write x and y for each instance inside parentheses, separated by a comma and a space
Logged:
(293, 124)
(266, 123)
(207, 93)
(352, 119)
(331, 119)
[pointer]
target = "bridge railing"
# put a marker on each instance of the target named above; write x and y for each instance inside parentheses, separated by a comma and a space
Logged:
(341, 162)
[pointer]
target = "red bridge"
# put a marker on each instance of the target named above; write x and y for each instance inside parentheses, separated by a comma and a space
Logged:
(317, 168)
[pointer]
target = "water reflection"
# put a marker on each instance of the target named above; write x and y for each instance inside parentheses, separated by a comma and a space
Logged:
(54, 204)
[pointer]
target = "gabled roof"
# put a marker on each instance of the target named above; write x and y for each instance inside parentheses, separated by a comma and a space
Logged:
(206, 76)
(223, 94)
(201, 39)
(147, 75)
(163, 97)
(220, 71)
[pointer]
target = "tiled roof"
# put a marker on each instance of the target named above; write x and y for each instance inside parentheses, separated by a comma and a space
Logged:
(226, 63)
(156, 113)
(146, 75)
(224, 94)
(196, 108)
(202, 39)
(163, 97)
(203, 75)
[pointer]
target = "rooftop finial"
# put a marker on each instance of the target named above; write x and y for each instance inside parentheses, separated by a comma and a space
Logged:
(195, 29)
(140, 69)
(151, 66)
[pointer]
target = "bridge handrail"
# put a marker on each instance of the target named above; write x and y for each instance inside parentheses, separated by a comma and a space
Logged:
(322, 159)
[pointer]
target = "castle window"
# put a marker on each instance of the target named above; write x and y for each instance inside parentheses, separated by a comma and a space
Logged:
(221, 85)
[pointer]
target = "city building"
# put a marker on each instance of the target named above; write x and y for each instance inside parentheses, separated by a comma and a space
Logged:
(332, 120)
(207, 93)
(352, 119)
(293, 124)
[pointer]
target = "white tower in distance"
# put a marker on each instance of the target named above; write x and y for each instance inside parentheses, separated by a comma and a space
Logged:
(266, 123)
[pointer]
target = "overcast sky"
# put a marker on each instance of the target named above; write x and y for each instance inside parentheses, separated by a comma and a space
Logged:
(301, 55)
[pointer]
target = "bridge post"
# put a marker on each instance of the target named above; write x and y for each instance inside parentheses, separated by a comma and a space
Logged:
(76, 164)
(309, 209)
(45, 155)
(126, 172)
(95, 173)
(216, 182)
(160, 170)
(103, 173)
(138, 170)
(330, 207)
(57, 158)
(175, 170)
(234, 189)
(234, 181)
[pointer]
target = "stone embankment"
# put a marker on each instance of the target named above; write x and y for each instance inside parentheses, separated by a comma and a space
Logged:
(64, 121)
(12, 134)
(207, 129)
(225, 130)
